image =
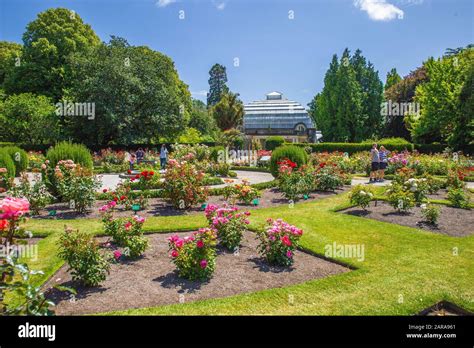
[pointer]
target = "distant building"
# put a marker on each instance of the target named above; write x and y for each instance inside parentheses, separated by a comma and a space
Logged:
(279, 116)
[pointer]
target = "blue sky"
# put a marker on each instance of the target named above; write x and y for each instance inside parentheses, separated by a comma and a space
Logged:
(283, 45)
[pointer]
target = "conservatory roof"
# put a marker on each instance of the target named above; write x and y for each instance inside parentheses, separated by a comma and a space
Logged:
(275, 112)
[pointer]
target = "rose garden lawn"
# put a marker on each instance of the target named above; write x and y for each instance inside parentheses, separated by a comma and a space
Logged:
(404, 271)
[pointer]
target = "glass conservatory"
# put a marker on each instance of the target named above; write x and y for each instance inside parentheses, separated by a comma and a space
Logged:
(279, 116)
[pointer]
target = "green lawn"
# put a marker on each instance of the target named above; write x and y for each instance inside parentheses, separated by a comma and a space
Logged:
(404, 271)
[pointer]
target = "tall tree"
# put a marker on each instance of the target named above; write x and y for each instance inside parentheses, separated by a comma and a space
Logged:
(229, 111)
(445, 98)
(201, 119)
(392, 78)
(137, 93)
(10, 54)
(28, 118)
(49, 41)
(217, 84)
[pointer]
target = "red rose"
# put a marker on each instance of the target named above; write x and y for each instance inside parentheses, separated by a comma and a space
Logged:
(137, 176)
(122, 198)
(115, 199)
(129, 171)
(104, 190)
(151, 173)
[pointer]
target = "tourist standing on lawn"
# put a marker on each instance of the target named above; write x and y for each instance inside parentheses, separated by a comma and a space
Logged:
(132, 160)
(163, 156)
(375, 163)
(383, 155)
(140, 155)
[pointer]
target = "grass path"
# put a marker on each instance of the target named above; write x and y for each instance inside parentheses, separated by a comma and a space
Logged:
(404, 271)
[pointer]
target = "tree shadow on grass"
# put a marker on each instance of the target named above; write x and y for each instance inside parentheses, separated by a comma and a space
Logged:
(173, 280)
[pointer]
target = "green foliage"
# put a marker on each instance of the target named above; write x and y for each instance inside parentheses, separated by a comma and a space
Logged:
(7, 162)
(217, 84)
(399, 198)
(458, 197)
(228, 112)
(17, 278)
(19, 158)
(194, 256)
(328, 178)
(392, 78)
(78, 153)
(351, 148)
(271, 143)
(79, 190)
(361, 196)
(126, 233)
(229, 223)
(190, 136)
(10, 52)
(446, 100)
(83, 255)
(217, 153)
(153, 100)
(430, 212)
(291, 152)
(201, 119)
(28, 118)
(49, 42)
(348, 108)
(37, 194)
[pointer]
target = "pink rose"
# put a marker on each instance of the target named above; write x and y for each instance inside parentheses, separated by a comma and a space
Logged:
(289, 254)
(117, 254)
(203, 263)
(174, 254)
(13, 208)
(200, 244)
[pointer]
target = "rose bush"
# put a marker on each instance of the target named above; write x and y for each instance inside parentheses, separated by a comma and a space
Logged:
(195, 255)
(361, 196)
(278, 242)
(229, 224)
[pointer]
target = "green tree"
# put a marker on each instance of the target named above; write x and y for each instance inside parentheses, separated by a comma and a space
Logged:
(28, 118)
(217, 84)
(392, 78)
(201, 119)
(48, 43)
(229, 111)
(446, 101)
(10, 53)
(137, 93)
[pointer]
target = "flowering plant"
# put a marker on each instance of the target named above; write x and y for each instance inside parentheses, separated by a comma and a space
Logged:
(241, 192)
(195, 255)
(430, 212)
(458, 197)
(400, 198)
(12, 211)
(125, 232)
(294, 182)
(82, 253)
(328, 177)
(279, 242)
(361, 196)
(419, 188)
(229, 224)
(36, 194)
(183, 185)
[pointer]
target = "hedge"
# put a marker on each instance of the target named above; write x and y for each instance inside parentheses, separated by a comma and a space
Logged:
(271, 143)
(293, 153)
(69, 151)
(351, 148)
(7, 162)
(19, 158)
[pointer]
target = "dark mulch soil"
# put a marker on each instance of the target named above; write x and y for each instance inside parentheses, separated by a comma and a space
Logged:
(452, 221)
(160, 207)
(153, 281)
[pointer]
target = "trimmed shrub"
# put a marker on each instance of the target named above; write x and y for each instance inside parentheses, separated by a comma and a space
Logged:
(19, 158)
(78, 153)
(271, 143)
(216, 153)
(291, 152)
(7, 162)
(351, 148)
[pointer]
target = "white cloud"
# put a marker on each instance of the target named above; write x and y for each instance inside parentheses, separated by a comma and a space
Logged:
(379, 10)
(164, 3)
(220, 5)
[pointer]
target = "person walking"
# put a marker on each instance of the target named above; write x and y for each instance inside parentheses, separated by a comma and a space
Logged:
(163, 156)
(375, 163)
(383, 164)
(140, 155)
